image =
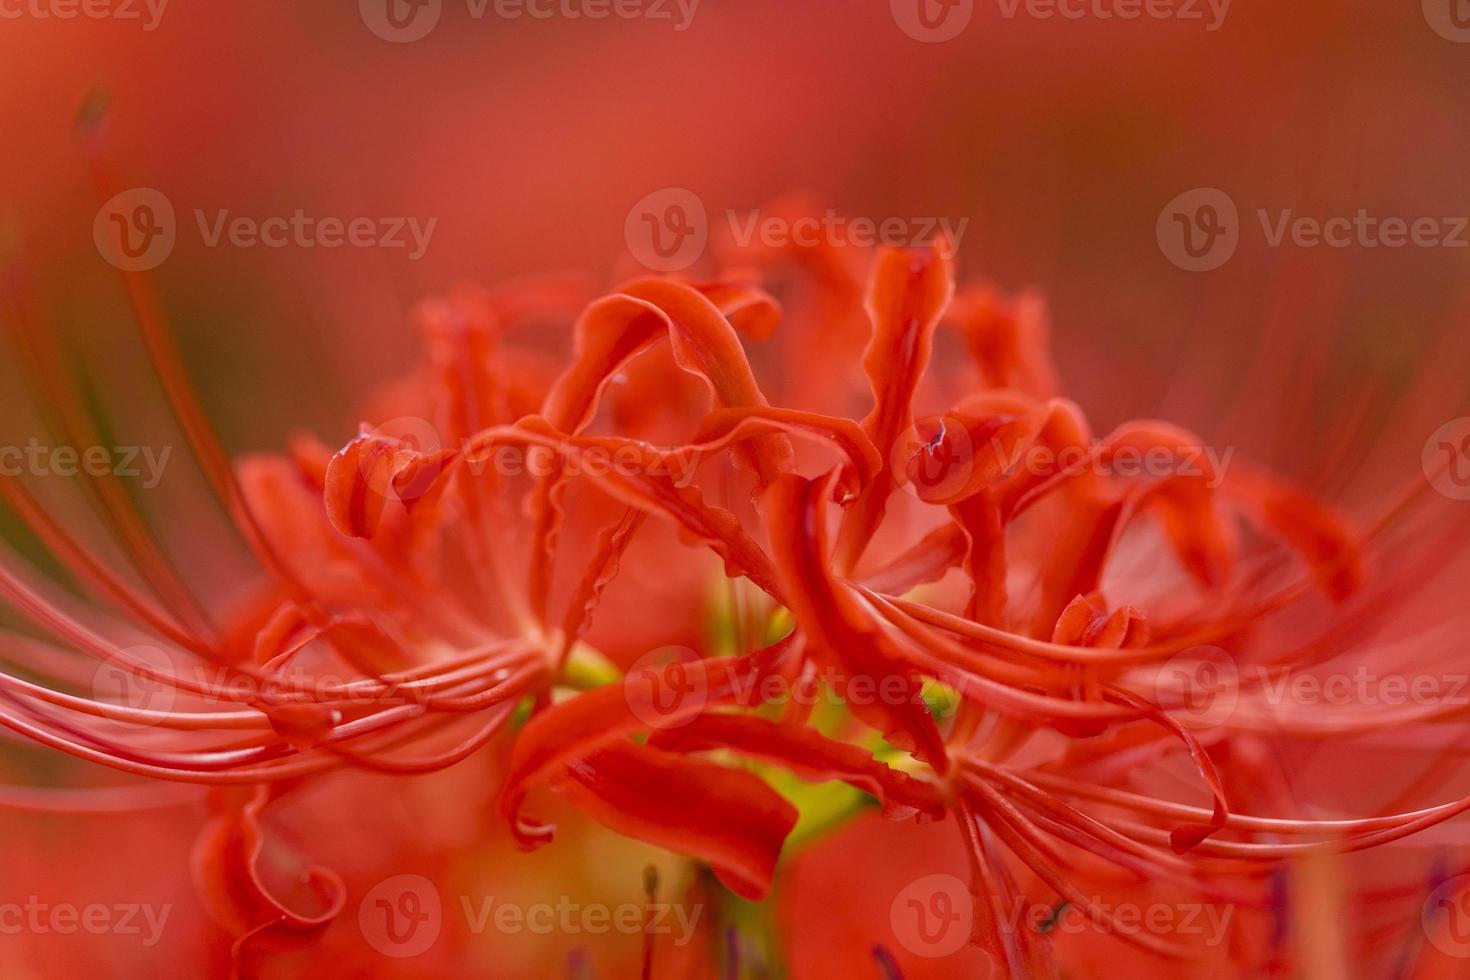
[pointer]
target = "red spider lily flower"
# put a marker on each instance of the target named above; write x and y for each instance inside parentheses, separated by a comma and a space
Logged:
(920, 557)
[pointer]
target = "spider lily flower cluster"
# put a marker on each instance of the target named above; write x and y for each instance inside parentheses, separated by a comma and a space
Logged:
(425, 599)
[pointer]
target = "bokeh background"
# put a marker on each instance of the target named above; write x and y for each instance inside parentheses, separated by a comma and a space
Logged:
(1059, 140)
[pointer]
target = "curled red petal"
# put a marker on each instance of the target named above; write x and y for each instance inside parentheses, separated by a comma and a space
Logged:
(358, 480)
(226, 865)
(1186, 836)
(601, 571)
(863, 463)
(609, 333)
(810, 755)
(727, 817)
(908, 293)
(1008, 338)
(374, 472)
(645, 479)
(751, 310)
(837, 627)
(597, 718)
